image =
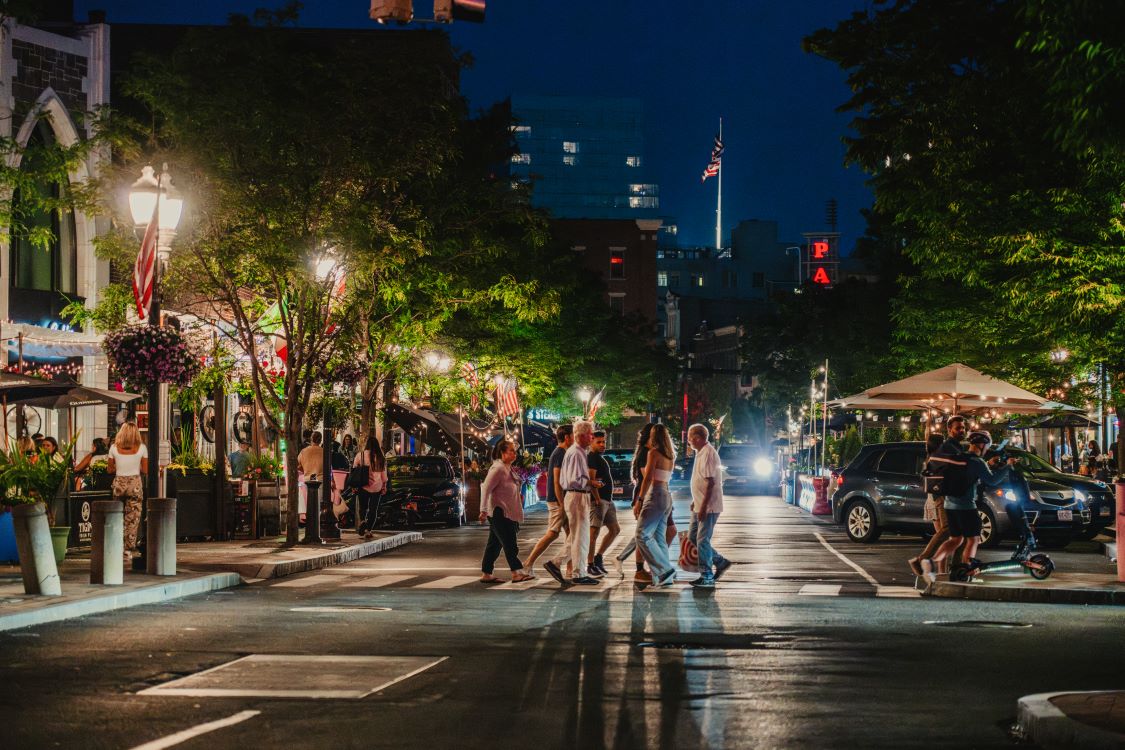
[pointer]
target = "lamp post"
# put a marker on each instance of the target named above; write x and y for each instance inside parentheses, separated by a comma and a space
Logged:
(584, 395)
(152, 199)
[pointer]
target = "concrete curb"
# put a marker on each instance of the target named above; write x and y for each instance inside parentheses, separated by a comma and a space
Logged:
(160, 592)
(1025, 594)
(325, 560)
(1045, 725)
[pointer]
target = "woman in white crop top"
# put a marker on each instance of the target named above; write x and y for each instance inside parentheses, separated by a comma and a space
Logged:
(128, 462)
(652, 521)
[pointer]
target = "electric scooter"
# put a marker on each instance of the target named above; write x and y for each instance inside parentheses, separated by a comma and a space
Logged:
(1037, 564)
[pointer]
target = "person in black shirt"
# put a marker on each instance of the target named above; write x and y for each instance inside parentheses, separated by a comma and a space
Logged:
(603, 512)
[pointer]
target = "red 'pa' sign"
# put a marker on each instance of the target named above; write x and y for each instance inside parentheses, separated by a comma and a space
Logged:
(821, 277)
(820, 249)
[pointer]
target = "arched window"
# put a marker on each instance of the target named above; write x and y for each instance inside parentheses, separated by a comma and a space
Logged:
(54, 268)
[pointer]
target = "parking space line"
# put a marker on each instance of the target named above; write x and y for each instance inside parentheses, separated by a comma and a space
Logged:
(866, 576)
(820, 589)
(187, 734)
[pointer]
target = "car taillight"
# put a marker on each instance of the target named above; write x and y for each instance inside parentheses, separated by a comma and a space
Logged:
(839, 479)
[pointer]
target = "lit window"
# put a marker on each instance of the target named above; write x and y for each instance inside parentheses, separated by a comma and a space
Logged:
(570, 147)
(643, 188)
(617, 264)
(638, 202)
(521, 158)
(697, 280)
(662, 278)
(570, 160)
(632, 161)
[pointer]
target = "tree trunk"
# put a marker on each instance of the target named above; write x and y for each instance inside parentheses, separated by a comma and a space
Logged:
(292, 449)
(367, 411)
(388, 398)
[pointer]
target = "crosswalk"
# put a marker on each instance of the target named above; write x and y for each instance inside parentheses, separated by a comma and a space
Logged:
(858, 589)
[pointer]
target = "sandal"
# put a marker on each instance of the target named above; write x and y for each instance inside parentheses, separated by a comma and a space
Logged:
(490, 579)
(521, 577)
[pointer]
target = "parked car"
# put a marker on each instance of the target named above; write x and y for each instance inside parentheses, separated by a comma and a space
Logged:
(621, 469)
(1098, 496)
(748, 468)
(423, 489)
(881, 490)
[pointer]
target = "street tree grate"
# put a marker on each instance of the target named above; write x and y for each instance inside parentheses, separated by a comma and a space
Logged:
(298, 676)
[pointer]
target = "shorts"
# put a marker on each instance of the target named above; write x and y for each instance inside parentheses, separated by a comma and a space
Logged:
(963, 522)
(556, 518)
(603, 513)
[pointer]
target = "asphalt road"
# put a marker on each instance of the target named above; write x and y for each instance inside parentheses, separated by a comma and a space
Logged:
(809, 641)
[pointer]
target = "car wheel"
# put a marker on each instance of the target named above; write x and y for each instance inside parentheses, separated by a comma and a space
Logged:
(860, 523)
(988, 536)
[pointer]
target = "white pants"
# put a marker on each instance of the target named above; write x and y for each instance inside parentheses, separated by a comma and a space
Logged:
(577, 505)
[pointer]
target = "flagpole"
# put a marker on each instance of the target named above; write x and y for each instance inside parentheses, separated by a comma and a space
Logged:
(719, 206)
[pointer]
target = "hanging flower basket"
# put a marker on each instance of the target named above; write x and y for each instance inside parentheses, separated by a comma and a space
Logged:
(146, 354)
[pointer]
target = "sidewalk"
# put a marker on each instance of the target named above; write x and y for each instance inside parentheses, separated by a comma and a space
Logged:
(1060, 588)
(201, 567)
(1090, 720)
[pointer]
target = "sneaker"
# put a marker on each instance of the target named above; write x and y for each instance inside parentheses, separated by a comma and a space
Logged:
(643, 576)
(927, 566)
(553, 569)
(704, 582)
(599, 564)
(593, 572)
(585, 581)
(722, 568)
(665, 580)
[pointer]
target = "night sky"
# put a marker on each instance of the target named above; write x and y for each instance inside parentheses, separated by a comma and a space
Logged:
(690, 62)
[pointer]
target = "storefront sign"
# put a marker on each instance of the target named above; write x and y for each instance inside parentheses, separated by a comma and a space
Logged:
(822, 258)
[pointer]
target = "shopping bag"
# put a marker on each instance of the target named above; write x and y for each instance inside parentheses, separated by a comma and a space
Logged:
(689, 554)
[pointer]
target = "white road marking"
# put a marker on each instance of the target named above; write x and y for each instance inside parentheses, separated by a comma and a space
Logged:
(340, 609)
(866, 576)
(187, 734)
(413, 569)
(375, 582)
(301, 583)
(897, 592)
(820, 589)
(448, 582)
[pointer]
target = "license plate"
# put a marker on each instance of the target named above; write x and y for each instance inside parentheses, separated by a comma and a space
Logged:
(1104, 511)
(1066, 515)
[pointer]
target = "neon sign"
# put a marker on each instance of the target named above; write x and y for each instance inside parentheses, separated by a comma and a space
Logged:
(821, 258)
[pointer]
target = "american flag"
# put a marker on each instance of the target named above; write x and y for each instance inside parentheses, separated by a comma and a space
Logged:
(469, 373)
(716, 160)
(144, 270)
(507, 398)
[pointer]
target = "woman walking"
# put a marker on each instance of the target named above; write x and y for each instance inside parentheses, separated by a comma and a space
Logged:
(501, 504)
(652, 522)
(128, 461)
(371, 494)
(933, 511)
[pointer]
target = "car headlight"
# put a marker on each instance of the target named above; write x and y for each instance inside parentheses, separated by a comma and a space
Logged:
(1102, 484)
(1080, 496)
(448, 492)
(1011, 496)
(763, 467)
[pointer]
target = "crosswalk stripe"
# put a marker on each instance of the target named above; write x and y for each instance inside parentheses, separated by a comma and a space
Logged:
(375, 582)
(448, 582)
(300, 583)
(820, 589)
(897, 592)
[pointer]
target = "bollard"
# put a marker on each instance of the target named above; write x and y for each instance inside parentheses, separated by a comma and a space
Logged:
(160, 529)
(108, 543)
(312, 513)
(1120, 487)
(37, 553)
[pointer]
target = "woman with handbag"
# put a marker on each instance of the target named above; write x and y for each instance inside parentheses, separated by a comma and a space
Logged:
(373, 463)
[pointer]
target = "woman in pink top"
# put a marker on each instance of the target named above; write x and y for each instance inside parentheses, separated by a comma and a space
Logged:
(372, 493)
(501, 504)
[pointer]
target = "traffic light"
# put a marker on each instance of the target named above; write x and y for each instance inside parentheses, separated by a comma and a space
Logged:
(392, 10)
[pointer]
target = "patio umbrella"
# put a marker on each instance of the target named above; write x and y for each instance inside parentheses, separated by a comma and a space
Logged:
(80, 395)
(20, 389)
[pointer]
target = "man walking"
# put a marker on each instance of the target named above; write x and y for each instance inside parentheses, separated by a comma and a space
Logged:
(706, 505)
(556, 515)
(577, 488)
(603, 512)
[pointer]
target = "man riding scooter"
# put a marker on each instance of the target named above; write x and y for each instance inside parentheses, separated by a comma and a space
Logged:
(961, 506)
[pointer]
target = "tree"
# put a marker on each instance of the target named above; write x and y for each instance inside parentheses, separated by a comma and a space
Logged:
(1015, 229)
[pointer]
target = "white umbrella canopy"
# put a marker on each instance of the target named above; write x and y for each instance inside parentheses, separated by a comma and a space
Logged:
(954, 388)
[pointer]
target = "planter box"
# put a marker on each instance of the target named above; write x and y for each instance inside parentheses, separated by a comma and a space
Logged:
(268, 497)
(196, 505)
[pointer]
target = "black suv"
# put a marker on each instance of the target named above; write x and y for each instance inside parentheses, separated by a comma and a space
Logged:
(1098, 496)
(881, 490)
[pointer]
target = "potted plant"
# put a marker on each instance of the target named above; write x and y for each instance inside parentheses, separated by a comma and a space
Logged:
(97, 475)
(191, 481)
(145, 354)
(30, 485)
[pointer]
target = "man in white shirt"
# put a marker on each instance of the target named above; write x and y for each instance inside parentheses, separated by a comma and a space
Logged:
(577, 495)
(706, 505)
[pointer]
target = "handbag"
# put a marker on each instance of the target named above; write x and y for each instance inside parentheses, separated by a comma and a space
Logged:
(359, 476)
(689, 554)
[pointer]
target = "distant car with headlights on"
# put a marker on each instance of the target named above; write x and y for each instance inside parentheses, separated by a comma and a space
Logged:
(423, 490)
(748, 468)
(1097, 496)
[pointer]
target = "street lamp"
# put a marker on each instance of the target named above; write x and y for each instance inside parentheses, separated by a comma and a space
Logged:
(584, 395)
(154, 199)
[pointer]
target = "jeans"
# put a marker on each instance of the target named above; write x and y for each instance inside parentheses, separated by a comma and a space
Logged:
(700, 532)
(501, 535)
(577, 545)
(369, 508)
(651, 527)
